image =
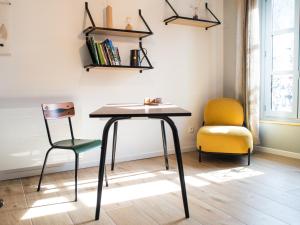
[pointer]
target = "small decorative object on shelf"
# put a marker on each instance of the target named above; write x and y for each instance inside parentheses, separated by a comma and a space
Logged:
(109, 17)
(5, 24)
(195, 8)
(152, 101)
(192, 21)
(128, 26)
(135, 57)
(1, 203)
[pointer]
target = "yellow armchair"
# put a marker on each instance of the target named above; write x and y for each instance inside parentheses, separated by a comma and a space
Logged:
(223, 130)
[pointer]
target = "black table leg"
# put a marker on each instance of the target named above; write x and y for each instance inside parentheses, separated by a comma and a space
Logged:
(180, 165)
(163, 133)
(113, 156)
(102, 162)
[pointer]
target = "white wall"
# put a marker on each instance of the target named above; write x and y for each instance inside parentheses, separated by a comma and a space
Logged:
(46, 65)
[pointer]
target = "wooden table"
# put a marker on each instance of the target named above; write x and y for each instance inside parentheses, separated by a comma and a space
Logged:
(127, 111)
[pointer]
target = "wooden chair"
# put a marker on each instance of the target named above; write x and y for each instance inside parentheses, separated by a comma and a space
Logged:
(60, 111)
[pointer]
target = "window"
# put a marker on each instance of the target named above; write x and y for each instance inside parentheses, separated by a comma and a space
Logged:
(280, 60)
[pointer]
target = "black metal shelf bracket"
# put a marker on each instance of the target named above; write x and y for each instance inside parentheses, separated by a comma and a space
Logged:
(219, 22)
(89, 15)
(146, 24)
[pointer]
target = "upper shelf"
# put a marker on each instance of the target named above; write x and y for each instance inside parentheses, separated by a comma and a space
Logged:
(117, 32)
(191, 22)
(204, 23)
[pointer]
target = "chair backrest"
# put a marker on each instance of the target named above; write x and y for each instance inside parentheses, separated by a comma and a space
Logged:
(224, 111)
(58, 111)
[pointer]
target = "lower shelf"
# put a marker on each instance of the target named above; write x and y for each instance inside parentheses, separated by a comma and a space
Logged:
(141, 68)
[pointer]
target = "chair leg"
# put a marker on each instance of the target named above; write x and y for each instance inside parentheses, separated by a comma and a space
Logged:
(105, 173)
(200, 157)
(163, 132)
(249, 156)
(76, 173)
(114, 146)
(43, 169)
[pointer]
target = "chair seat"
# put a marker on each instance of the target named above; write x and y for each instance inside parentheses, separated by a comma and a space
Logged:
(224, 139)
(79, 145)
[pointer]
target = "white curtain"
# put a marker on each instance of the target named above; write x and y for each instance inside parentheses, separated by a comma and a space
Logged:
(248, 63)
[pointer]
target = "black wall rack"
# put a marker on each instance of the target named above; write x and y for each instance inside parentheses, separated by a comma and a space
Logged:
(94, 30)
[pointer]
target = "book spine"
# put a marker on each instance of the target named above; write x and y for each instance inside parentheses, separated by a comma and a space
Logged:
(109, 52)
(99, 54)
(104, 54)
(95, 51)
(114, 53)
(91, 50)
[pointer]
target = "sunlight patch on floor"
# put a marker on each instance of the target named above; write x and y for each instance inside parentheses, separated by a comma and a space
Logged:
(237, 173)
(111, 180)
(195, 182)
(131, 192)
(49, 206)
(167, 172)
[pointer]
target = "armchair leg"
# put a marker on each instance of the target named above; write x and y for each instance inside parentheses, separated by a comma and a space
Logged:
(200, 157)
(44, 165)
(249, 156)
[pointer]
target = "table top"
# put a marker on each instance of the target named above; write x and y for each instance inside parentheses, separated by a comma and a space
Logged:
(139, 110)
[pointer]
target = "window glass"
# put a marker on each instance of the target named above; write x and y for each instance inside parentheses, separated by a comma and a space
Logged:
(283, 14)
(282, 93)
(283, 52)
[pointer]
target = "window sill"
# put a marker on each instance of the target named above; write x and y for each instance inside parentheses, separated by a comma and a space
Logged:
(289, 123)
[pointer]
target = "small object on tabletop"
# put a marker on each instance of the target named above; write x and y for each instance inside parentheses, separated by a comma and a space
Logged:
(128, 26)
(1, 203)
(109, 17)
(152, 101)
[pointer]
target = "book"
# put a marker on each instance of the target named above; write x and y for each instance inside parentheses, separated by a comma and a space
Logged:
(109, 52)
(100, 54)
(91, 50)
(113, 52)
(94, 51)
(104, 54)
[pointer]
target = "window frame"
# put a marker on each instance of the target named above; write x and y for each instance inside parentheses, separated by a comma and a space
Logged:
(266, 64)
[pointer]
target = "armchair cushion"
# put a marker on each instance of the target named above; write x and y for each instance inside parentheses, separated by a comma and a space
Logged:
(224, 139)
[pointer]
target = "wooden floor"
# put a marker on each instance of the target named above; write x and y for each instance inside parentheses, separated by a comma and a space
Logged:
(220, 191)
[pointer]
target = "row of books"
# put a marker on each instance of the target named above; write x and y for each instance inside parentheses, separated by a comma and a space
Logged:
(103, 53)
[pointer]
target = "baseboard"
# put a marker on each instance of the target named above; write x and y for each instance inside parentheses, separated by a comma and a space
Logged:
(278, 152)
(54, 168)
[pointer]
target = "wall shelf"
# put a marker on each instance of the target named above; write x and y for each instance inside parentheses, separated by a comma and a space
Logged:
(141, 68)
(94, 30)
(176, 19)
(116, 32)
